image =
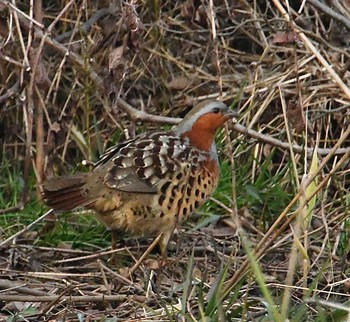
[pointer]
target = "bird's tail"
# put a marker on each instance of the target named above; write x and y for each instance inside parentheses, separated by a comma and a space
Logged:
(66, 193)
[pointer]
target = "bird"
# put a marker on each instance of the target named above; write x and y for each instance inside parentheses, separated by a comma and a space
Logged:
(146, 186)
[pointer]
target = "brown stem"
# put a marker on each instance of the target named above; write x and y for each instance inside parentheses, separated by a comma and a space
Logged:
(39, 115)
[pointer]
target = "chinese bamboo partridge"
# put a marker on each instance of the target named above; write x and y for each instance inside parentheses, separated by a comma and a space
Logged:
(147, 185)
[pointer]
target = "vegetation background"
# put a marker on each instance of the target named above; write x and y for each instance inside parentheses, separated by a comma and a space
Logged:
(273, 243)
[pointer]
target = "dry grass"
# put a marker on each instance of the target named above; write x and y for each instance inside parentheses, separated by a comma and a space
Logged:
(63, 94)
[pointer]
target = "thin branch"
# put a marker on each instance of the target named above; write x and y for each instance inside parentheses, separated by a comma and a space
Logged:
(284, 145)
(86, 26)
(330, 12)
(139, 115)
(77, 298)
(11, 91)
(74, 58)
(18, 207)
(34, 98)
(20, 288)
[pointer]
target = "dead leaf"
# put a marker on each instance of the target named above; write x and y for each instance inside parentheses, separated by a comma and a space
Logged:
(285, 37)
(55, 127)
(295, 116)
(180, 83)
(115, 57)
(152, 264)
(63, 245)
(135, 25)
(201, 16)
(41, 74)
(267, 148)
(187, 10)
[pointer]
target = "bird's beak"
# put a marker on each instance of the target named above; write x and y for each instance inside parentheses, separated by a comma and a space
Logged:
(231, 115)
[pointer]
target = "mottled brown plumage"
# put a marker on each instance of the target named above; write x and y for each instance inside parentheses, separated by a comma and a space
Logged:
(147, 185)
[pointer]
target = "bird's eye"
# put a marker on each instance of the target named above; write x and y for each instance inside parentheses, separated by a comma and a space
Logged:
(216, 110)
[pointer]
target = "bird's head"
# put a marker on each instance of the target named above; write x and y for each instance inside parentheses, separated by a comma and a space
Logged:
(201, 123)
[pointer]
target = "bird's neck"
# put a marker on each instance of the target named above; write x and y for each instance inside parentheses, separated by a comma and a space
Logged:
(202, 139)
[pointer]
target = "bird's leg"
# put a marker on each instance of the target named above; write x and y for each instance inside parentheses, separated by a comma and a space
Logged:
(114, 237)
(163, 243)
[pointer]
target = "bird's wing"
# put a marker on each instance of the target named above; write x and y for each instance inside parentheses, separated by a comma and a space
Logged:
(140, 165)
